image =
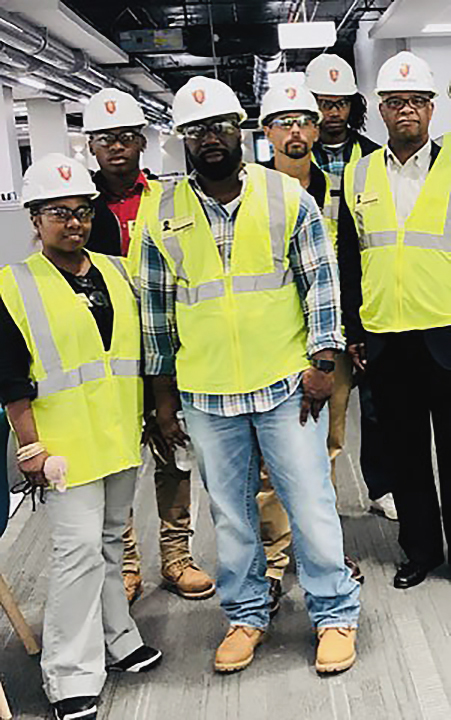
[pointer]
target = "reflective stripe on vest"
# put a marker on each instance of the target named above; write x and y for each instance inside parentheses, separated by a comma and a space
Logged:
(427, 241)
(58, 379)
(241, 283)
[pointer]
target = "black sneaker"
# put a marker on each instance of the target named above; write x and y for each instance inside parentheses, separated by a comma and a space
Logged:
(77, 708)
(142, 659)
(275, 591)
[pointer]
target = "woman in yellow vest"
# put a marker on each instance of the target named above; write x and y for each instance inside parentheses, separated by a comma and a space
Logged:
(69, 378)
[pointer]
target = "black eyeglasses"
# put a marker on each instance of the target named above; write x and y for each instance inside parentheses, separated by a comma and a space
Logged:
(126, 138)
(196, 132)
(286, 123)
(61, 214)
(417, 102)
(340, 104)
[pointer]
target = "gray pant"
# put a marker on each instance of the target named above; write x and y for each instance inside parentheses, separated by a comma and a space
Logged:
(86, 608)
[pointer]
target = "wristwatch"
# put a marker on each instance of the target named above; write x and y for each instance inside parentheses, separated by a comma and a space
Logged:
(326, 366)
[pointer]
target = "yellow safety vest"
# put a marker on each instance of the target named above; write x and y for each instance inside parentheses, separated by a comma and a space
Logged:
(89, 400)
(244, 329)
(150, 194)
(406, 268)
(330, 221)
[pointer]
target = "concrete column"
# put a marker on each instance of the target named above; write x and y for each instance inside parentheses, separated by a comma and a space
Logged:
(48, 129)
(152, 157)
(10, 167)
(173, 152)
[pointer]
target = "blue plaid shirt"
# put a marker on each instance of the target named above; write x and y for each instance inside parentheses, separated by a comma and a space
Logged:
(313, 263)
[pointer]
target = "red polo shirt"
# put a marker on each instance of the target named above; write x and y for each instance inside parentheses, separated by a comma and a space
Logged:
(125, 209)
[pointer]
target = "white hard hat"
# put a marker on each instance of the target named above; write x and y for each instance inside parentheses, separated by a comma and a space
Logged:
(330, 75)
(404, 72)
(202, 98)
(286, 97)
(55, 176)
(111, 108)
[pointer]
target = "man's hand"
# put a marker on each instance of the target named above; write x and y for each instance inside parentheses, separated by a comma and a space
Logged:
(33, 470)
(167, 404)
(357, 352)
(317, 388)
(170, 426)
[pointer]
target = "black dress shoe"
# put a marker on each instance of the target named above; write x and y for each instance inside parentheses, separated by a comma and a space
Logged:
(275, 591)
(410, 574)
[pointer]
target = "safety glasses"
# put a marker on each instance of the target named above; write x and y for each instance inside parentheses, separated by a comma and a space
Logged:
(198, 131)
(339, 104)
(58, 214)
(108, 139)
(286, 123)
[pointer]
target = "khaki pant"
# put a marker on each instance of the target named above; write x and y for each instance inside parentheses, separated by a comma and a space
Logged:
(173, 491)
(274, 524)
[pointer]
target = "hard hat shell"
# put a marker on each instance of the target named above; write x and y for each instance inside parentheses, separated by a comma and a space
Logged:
(330, 75)
(201, 98)
(286, 97)
(111, 108)
(55, 175)
(405, 72)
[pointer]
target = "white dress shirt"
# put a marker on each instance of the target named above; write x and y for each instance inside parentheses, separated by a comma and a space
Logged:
(407, 180)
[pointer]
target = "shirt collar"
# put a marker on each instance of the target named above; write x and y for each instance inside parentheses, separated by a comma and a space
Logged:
(193, 179)
(421, 159)
(139, 185)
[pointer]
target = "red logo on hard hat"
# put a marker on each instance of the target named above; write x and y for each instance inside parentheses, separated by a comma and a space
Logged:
(65, 171)
(110, 106)
(199, 96)
(291, 92)
(404, 69)
(334, 74)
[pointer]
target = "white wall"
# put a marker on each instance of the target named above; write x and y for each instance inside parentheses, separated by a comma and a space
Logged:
(369, 56)
(16, 234)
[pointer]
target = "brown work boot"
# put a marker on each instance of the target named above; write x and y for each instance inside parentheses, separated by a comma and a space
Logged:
(238, 647)
(189, 581)
(336, 649)
(133, 584)
(356, 572)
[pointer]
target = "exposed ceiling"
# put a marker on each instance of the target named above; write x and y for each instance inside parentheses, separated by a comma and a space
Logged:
(177, 40)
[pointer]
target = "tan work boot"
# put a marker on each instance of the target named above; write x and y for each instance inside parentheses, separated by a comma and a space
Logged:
(238, 647)
(336, 649)
(133, 584)
(189, 581)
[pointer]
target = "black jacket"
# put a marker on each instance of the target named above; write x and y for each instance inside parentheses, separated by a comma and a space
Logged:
(317, 187)
(438, 340)
(105, 235)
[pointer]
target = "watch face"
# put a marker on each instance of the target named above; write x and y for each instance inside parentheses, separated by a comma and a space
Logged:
(324, 365)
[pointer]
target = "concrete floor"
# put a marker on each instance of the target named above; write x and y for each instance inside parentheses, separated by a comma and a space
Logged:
(404, 643)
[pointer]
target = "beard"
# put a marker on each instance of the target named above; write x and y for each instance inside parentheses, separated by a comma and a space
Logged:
(221, 169)
(296, 153)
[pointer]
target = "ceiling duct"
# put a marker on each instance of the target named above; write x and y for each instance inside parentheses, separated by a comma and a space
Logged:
(68, 72)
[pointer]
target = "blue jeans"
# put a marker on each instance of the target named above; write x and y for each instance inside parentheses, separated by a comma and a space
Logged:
(228, 453)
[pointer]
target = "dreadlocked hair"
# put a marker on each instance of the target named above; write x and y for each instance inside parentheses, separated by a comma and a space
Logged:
(358, 112)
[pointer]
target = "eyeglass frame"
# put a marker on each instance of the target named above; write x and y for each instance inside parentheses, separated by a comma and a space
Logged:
(327, 105)
(49, 211)
(118, 137)
(184, 131)
(406, 101)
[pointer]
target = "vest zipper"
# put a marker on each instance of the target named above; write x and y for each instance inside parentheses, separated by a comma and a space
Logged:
(231, 314)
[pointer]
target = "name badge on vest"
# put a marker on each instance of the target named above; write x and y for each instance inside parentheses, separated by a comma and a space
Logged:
(175, 225)
(366, 198)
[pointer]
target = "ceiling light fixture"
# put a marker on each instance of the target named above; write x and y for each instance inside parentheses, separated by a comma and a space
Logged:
(306, 35)
(32, 82)
(437, 28)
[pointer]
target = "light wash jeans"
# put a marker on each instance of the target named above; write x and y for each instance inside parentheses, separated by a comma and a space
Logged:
(227, 450)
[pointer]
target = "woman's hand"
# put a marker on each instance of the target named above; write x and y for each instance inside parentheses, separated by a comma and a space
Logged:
(33, 470)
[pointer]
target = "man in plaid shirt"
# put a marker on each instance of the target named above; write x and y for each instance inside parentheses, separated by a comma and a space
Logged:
(240, 308)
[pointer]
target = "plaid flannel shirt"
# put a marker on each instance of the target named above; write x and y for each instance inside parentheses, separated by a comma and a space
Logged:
(313, 263)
